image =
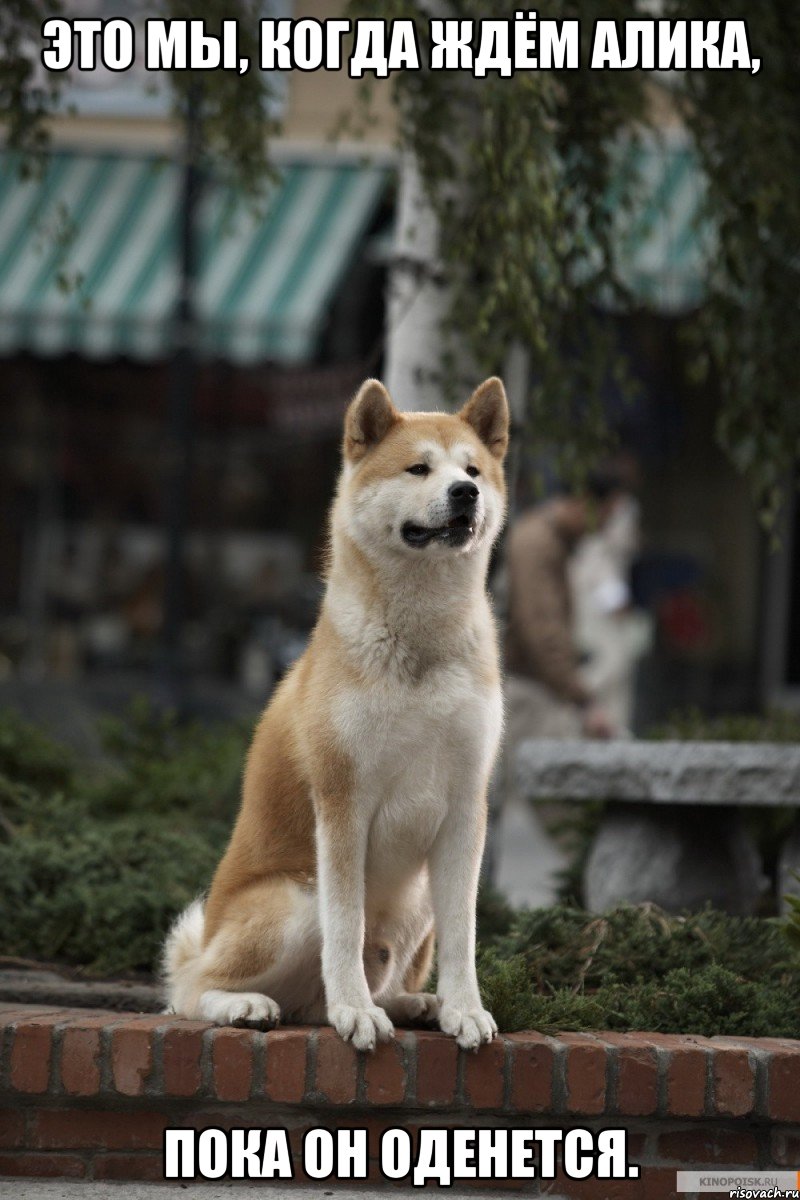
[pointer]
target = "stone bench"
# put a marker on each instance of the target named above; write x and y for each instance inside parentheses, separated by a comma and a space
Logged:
(672, 831)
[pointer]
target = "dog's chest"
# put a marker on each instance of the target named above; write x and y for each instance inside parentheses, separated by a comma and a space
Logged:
(392, 731)
(415, 751)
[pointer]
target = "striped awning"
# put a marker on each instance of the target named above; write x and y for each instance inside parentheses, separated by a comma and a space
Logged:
(663, 245)
(89, 257)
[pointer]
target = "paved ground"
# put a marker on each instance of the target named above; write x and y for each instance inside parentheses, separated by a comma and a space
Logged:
(56, 1189)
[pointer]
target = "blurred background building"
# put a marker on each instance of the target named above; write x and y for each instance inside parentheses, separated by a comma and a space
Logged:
(288, 315)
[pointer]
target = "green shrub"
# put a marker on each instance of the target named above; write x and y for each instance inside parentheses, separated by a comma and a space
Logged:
(95, 863)
(637, 968)
(160, 765)
(710, 1002)
(30, 756)
(100, 894)
(691, 725)
(567, 947)
(96, 860)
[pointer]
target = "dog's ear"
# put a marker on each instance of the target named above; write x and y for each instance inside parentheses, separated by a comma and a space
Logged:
(487, 412)
(369, 418)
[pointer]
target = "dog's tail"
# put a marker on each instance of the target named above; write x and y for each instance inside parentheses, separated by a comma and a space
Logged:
(179, 961)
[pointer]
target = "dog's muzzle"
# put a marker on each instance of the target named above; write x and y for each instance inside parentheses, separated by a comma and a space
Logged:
(462, 499)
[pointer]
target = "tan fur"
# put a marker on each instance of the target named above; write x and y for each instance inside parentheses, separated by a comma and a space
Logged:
(418, 973)
(304, 772)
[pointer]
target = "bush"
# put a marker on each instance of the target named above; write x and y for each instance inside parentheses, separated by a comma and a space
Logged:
(159, 765)
(637, 968)
(96, 860)
(100, 894)
(30, 756)
(691, 725)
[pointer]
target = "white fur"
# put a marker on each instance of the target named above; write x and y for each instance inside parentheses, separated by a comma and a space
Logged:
(421, 727)
(423, 749)
(239, 1008)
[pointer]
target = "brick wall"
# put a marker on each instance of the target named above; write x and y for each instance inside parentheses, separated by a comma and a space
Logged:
(89, 1094)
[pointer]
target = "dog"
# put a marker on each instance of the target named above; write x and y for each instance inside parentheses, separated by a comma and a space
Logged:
(363, 812)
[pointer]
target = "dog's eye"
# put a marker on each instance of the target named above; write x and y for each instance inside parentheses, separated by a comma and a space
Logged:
(419, 469)
(472, 471)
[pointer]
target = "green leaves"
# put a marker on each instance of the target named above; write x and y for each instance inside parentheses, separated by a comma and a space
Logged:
(791, 926)
(521, 174)
(638, 968)
(517, 170)
(96, 860)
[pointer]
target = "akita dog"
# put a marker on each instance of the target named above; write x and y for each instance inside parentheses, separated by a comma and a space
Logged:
(363, 814)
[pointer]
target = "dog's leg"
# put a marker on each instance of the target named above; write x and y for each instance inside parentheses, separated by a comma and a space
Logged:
(262, 957)
(454, 865)
(412, 1003)
(341, 856)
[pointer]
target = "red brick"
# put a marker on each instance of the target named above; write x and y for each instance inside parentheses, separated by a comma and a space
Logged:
(337, 1067)
(375, 1127)
(631, 1188)
(785, 1148)
(309, 1184)
(80, 1061)
(687, 1070)
(637, 1074)
(385, 1073)
(11, 1013)
(298, 1133)
(531, 1073)
(437, 1063)
(483, 1075)
(658, 1183)
(734, 1083)
(78, 1129)
(82, 1018)
(149, 1167)
(286, 1065)
(12, 1128)
(42, 1166)
(784, 1085)
(516, 1187)
(636, 1143)
(709, 1146)
(90, 1018)
(31, 1054)
(585, 1074)
(593, 1189)
(131, 1058)
(770, 1044)
(232, 1063)
(749, 1043)
(227, 1118)
(182, 1048)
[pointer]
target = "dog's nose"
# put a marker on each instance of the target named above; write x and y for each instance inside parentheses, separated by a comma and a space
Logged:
(462, 494)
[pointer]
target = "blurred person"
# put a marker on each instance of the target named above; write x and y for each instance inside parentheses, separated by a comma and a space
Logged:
(611, 634)
(547, 695)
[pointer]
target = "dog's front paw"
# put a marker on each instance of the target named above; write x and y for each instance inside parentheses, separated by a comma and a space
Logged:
(413, 1006)
(249, 1009)
(469, 1026)
(361, 1026)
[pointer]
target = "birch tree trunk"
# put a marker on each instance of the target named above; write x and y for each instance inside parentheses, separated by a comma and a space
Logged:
(417, 300)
